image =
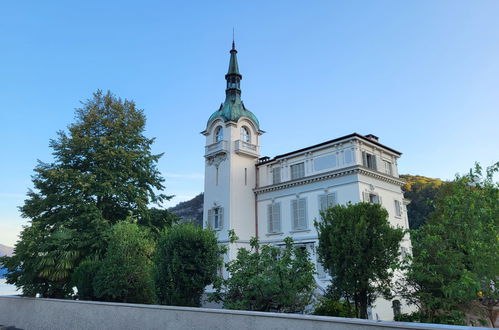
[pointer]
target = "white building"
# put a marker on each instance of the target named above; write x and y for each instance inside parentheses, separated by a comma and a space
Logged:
(272, 198)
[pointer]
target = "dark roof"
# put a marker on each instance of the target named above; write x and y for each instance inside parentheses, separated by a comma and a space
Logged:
(326, 143)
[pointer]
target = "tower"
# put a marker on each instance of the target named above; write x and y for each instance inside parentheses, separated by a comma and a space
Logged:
(231, 153)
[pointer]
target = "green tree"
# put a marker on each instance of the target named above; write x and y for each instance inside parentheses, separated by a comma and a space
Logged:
(360, 250)
(103, 170)
(268, 278)
(126, 272)
(456, 252)
(187, 259)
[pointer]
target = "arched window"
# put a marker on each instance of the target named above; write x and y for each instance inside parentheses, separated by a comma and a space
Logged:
(245, 134)
(219, 134)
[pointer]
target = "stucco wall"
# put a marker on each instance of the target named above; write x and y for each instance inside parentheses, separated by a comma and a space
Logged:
(36, 313)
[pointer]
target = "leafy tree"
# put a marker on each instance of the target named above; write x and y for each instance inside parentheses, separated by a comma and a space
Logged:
(187, 259)
(268, 278)
(422, 192)
(360, 250)
(103, 170)
(83, 278)
(330, 306)
(456, 253)
(126, 272)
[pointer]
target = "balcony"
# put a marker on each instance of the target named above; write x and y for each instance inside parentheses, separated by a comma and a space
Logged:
(220, 147)
(246, 148)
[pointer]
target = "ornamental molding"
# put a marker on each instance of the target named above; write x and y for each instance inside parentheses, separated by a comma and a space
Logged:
(216, 160)
(357, 169)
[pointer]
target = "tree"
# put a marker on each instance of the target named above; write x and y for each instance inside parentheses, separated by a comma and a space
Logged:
(455, 260)
(268, 278)
(187, 259)
(103, 170)
(126, 272)
(360, 250)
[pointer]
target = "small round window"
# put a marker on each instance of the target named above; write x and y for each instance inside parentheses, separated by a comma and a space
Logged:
(219, 134)
(245, 134)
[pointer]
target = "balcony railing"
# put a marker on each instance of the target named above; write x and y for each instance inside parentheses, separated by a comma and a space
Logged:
(246, 148)
(215, 148)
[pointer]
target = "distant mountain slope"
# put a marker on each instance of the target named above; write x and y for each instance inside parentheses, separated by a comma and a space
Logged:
(6, 250)
(190, 210)
(422, 192)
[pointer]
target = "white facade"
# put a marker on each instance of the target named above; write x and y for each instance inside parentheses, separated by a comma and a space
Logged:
(275, 198)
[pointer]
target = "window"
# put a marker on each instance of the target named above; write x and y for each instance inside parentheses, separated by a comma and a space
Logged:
(396, 306)
(398, 209)
(297, 171)
(371, 198)
(299, 213)
(348, 156)
(326, 201)
(369, 160)
(215, 218)
(245, 135)
(324, 162)
(276, 175)
(274, 217)
(219, 134)
(388, 167)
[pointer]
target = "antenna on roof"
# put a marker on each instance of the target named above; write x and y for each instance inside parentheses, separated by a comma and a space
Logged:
(233, 43)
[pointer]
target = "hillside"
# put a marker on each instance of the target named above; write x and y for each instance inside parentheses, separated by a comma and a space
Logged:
(190, 210)
(6, 250)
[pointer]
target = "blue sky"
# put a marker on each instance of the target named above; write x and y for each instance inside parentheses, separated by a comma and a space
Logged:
(421, 75)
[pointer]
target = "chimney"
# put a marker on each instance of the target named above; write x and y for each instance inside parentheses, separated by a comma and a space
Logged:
(372, 137)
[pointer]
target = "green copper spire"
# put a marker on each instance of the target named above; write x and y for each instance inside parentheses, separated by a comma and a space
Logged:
(233, 108)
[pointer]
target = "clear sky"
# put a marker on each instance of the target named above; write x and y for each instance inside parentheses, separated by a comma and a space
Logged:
(421, 75)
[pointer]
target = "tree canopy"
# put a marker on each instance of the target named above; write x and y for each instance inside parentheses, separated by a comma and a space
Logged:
(456, 252)
(103, 171)
(268, 279)
(360, 250)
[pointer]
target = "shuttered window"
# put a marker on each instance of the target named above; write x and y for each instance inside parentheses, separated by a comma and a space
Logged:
(369, 160)
(274, 217)
(388, 167)
(299, 213)
(297, 171)
(348, 156)
(327, 200)
(398, 210)
(371, 198)
(215, 218)
(276, 175)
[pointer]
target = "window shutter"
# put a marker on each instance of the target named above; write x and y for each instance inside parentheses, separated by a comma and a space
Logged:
(365, 196)
(364, 158)
(331, 200)
(375, 163)
(380, 200)
(323, 202)
(302, 213)
(210, 218)
(294, 213)
(220, 217)
(276, 217)
(269, 218)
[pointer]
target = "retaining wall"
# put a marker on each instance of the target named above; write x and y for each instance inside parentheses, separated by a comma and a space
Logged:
(37, 313)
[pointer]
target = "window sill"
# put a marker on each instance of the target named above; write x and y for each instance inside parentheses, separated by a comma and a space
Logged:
(274, 234)
(300, 231)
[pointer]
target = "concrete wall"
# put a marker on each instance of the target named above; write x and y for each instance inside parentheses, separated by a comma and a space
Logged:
(54, 314)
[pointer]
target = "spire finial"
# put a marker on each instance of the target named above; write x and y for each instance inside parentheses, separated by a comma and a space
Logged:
(233, 43)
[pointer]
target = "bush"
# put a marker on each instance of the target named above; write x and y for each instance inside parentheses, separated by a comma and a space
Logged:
(187, 259)
(83, 278)
(333, 307)
(125, 274)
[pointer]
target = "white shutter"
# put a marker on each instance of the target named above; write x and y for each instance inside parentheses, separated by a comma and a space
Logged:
(365, 196)
(294, 214)
(380, 200)
(331, 200)
(302, 213)
(276, 217)
(375, 163)
(220, 217)
(210, 218)
(364, 158)
(322, 202)
(269, 218)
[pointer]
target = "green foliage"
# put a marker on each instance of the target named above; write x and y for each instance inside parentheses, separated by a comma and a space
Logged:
(455, 260)
(187, 259)
(422, 192)
(268, 278)
(328, 306)
(454, 318)
(83, 278)
(126, 272)
(103, 170)
(360, 249)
